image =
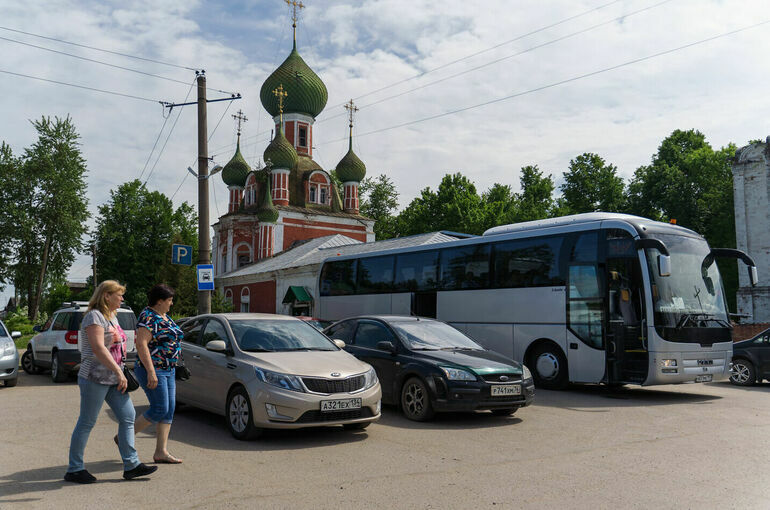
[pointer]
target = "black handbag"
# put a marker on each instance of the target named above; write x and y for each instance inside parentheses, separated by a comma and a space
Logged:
(133, 384)
(181, 373)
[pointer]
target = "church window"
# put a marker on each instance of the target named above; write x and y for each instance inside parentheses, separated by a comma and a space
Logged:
(245, 300)
(313, 190)
(224, 261)
(324, 193)
(302, 136)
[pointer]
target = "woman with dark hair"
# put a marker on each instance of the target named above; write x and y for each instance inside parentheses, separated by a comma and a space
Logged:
(158, 346)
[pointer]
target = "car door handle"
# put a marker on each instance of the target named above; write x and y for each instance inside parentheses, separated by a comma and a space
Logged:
(232, 366)
(195, 356)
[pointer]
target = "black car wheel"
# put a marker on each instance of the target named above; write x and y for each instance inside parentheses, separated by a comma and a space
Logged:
(415, 400)
(550, 367)
(504, 412)
(240, 419)
(743, 372)
(28, 363)
(58, 373)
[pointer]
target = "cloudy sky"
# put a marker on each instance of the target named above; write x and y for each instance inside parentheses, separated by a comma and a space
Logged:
(538, 64)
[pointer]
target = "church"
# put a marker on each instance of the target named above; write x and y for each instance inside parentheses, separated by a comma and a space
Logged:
(291, 200)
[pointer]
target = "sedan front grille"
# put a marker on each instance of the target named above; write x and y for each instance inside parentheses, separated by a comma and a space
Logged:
(319, 416)
(348, 385)
(495, 378)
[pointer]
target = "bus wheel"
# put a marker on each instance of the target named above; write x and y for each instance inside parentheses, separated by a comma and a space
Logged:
(550, 367)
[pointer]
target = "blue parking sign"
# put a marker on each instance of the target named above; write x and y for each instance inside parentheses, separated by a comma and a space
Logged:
(205, 276)
(181, 254)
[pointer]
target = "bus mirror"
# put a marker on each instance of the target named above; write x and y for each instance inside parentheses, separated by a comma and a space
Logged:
(753, 275)
(709, 285)
(664, 265)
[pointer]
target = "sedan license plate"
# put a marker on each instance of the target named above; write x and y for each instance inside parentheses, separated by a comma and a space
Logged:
(506, 390)
(704, 378)
(340, 405)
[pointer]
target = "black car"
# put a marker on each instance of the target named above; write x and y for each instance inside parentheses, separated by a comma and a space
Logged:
(751, 360)
(427, 366)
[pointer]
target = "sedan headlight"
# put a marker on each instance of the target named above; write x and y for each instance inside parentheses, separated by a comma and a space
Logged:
(456, 374)
(7, 347)
(285, 381)
(370, 378)
(526, 374)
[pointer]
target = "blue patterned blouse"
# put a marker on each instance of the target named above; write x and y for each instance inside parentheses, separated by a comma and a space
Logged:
(166, 337)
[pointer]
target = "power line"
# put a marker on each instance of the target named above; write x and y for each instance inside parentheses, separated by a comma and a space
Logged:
(562, 82)
(93, 60)
(81, 87)
(532, 48)
(149, 156)
(522, 36)
(98, 49)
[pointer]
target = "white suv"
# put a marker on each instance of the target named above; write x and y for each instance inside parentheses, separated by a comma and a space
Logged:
(56, 344)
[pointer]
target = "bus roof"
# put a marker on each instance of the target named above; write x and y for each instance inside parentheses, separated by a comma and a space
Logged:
(641, 224)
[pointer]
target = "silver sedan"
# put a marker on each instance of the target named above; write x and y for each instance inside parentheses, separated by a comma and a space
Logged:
(274, 371)
(9, 356)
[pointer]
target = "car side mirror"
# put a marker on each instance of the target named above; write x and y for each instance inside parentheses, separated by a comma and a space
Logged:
(216, 346)
(339, 343)
(664, 265)
(386, 346)
(36, 329)
(15, 334)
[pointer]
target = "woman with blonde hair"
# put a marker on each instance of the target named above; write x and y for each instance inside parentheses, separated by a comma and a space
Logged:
(100, 380)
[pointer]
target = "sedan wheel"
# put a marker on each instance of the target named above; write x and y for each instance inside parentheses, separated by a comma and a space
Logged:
(415, 400)
(239, 415)
(743, 373)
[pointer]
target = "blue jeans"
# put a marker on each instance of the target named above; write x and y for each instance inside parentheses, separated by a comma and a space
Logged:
(92, 395)
(163, 397)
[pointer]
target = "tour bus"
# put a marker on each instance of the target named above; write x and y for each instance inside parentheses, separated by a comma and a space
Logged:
(588, 298)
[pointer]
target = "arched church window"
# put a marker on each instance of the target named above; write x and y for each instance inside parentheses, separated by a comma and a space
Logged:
(313, 193)
(324, 194)
(245, 300)
(302, 135)
(229, 296)
(243, 254)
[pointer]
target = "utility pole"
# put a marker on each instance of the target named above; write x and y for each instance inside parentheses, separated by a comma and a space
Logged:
(93, 263)
(204, 240)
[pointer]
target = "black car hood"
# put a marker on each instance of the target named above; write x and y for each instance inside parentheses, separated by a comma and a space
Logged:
(479, 362)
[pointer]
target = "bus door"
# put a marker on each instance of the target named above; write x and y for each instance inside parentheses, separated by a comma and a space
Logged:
(585, 309)
(627, 356)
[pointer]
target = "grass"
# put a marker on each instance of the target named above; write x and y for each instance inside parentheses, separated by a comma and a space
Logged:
(21, 343)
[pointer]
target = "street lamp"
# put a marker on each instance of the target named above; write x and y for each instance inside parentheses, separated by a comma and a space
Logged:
(214, 170)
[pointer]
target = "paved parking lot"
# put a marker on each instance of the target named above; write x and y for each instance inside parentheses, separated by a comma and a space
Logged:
(686, 446)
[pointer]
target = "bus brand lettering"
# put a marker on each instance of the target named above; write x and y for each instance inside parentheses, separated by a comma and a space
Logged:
(705, 362)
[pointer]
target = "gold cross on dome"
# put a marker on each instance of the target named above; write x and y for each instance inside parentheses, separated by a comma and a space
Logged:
(280, 94)
(241, 118)
(295, 5)
(351, 108)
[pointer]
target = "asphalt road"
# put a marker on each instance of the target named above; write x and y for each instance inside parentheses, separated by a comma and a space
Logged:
(687, 446)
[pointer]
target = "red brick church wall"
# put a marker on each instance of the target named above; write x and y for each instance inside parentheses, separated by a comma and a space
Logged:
(296, 230)
(261, 296)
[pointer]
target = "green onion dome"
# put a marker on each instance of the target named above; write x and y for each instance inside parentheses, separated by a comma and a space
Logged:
(280, 153)
(266, 211)
(306, 93)
(350, 167)
(236, 170)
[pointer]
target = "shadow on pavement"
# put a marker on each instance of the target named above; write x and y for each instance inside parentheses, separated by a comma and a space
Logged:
(52, 478)
(392, 417)
(594, 396)
(44, 379)
(208, 430)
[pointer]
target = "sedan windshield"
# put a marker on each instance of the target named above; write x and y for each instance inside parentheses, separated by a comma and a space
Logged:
(433, 335)
(279, 335)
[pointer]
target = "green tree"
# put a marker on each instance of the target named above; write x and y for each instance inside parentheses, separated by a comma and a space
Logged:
(536, 198)
(591, 185)
(10, 168)
(135, 231)
(56, 168)
(379, 201)
(688, 181)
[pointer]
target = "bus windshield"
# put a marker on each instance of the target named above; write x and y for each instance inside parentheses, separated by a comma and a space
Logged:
(692, 298)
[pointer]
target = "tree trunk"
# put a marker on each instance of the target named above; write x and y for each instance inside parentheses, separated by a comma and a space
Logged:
(39, 289)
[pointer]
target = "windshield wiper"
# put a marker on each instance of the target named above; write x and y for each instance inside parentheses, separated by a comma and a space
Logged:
(425, 348)
(686, 318)
(257, 349)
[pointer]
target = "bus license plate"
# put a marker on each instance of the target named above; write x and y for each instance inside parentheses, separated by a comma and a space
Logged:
(704, 378)
(340, 405)
(506, 390)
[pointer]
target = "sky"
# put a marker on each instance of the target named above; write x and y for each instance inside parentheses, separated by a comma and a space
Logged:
(483, 88)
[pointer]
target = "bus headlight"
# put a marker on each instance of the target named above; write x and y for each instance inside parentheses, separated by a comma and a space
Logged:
(667, 363)
(456, 374)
